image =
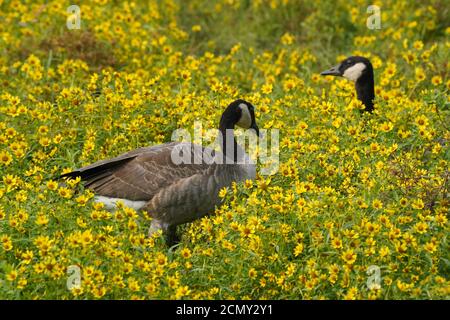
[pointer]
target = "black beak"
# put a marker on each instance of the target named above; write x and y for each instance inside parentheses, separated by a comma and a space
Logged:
(334, 71)
(255, 127)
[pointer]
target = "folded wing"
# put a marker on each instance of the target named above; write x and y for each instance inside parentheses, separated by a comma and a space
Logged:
(141, 173)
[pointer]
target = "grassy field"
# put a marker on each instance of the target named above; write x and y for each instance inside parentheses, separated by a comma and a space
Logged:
(356, 195)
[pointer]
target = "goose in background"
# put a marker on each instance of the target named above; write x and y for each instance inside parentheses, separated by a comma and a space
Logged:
(174, 193)
(359, 70)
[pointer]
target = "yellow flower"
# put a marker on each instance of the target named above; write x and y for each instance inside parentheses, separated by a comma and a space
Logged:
(298, 249)
(86, 238)
(77, 291)
(289, 84)
(252, 273)
(161, 259)
(403, 286)
(418, 204)
(420, 74)
(5, 158)
(185, 75)
(247, 231)
(182, 292)
(43, 243)
(421, 121)
(351, 294)
(374, 147)
(22, 283)
(196, 28)
(186, 253)
(349, 256)
(43, 130)
(418, 45)
(133, 284)
(223, 192)
(336, 243)
(440, 219)
(384, 251)
(430, 246)
(287, 39)
(172, 281)
(387, 281)
(10, 132)
(82, 200)
(267, 88)
(11, 181)
(65, 192)
(377, 204)
(436, 80)
(99, 292)
(386, 126)
(27, 256)
(403, 202)
(421, 227)
(52, 185)
(12, 275)
(151, 289)
(6, 242)
(248, 184)
(401, 247)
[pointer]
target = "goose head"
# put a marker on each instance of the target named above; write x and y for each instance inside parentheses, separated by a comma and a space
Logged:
(353, 68)
(359, 70)
(239, 113)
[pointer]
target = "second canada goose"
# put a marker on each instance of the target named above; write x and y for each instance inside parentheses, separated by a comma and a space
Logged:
(359, 70)
(174, 192)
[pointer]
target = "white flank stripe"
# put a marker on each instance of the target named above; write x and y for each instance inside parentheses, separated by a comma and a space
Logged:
(111, 203)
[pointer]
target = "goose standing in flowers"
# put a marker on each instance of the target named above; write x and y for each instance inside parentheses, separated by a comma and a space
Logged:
(174, 192)
(359, 70)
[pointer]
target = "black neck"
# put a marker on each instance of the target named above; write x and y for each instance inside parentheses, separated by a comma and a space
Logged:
(228, 142)
(365, 90)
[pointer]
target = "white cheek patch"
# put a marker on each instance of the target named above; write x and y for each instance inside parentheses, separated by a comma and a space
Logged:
(246, 119)
(354, 72)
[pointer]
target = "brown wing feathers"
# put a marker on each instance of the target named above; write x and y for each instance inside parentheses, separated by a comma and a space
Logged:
(136, 175)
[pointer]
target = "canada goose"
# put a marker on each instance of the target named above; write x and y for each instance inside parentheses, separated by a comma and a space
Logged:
(149, 179)
(359, 70)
